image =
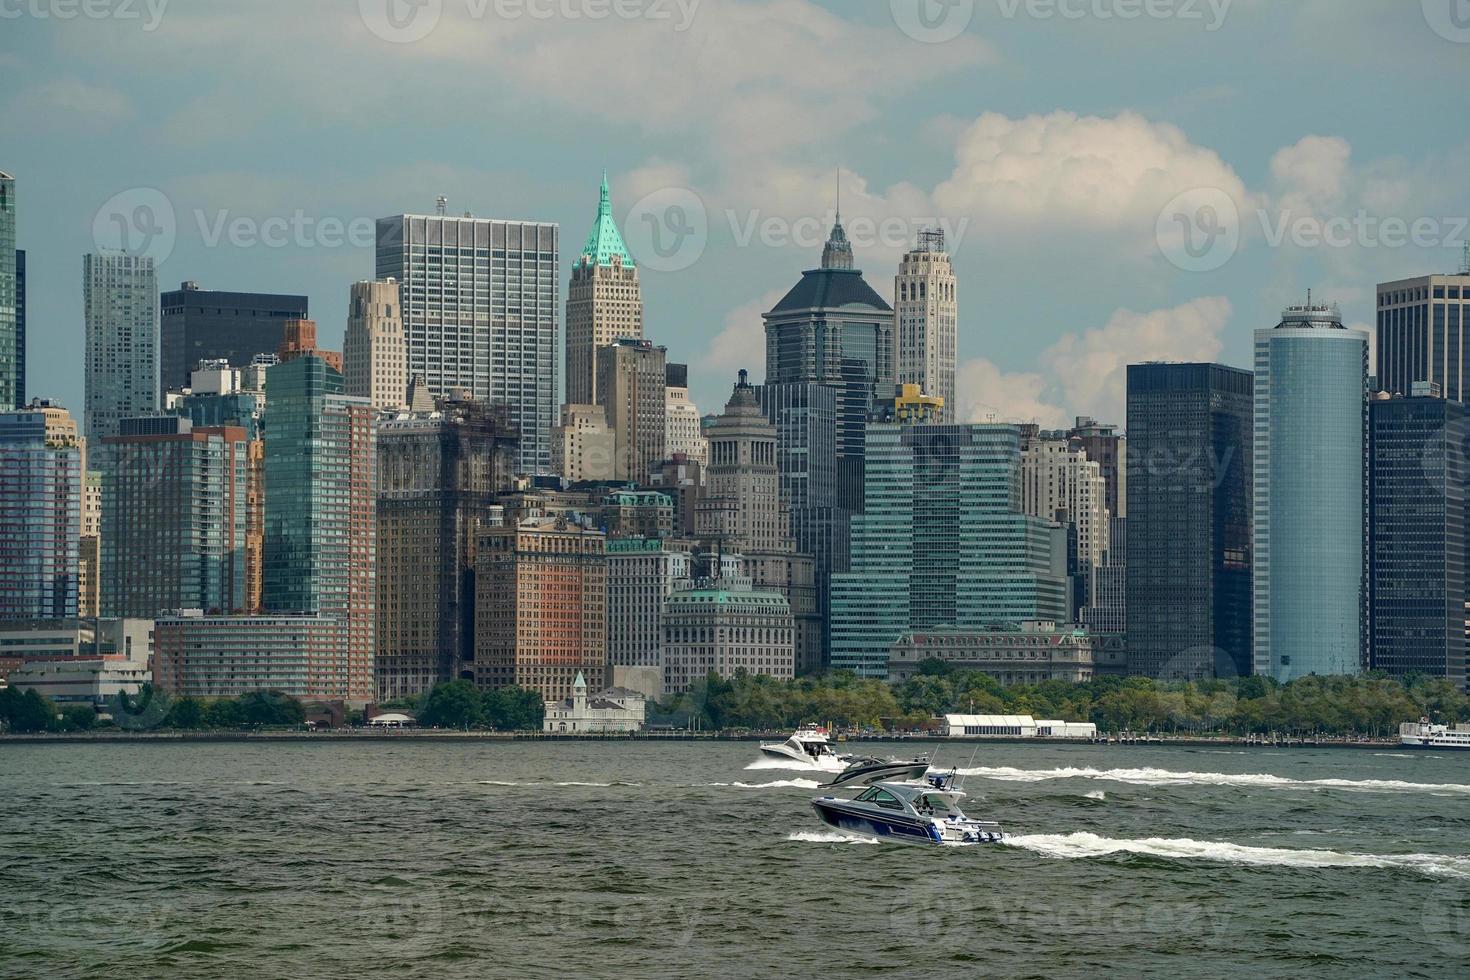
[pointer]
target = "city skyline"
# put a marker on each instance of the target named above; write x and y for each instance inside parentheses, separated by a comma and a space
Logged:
(1126, 294)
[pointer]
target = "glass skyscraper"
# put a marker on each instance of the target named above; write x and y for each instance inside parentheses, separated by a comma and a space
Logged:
(208, 324)
(481, 312)
(1422, 326)
(12, 386)
(1310, 524)
(121, 300)
(40, 513)
(1187, 486)
(943, 543)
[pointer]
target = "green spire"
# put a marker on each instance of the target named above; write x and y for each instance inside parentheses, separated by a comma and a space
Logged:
(605, 242)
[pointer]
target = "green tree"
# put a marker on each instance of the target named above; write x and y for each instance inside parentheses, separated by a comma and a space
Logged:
(27, 711)
(513, 709)
(79, 718)
(225, 713)
(455, 704)
(186, 713)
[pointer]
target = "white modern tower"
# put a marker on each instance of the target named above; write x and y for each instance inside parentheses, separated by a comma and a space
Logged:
(926, 305)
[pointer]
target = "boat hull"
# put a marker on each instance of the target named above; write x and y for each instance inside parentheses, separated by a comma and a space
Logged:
(892, 772)
(895, 827)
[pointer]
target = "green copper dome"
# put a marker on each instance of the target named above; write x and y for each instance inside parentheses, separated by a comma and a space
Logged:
(605, 242)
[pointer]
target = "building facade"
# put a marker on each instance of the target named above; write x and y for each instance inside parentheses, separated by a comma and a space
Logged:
(439, 476)
(374, 354)
(926, 312)
(682, 430)
(833, 329)
(1189, 538)
(320, 545)
(632, 390)
(1310, 526)
(1416, 537)
(641, 575)
(1027, 653)
(944, 543)
(210, 324)
(584, 447)
(613, 710)
(174, 520)
(1423, 325)
(12, 291)
(201, 656)
(40, 512)
(120, 295)
(604, 302)
(722, 625)
(481, 312)
(540, 606)
(1060, 483)
(89, 546)
(20, 327)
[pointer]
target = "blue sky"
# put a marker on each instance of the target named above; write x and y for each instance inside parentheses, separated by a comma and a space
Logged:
(1069, 147)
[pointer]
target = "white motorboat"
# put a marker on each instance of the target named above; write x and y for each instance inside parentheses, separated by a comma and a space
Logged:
(866, 771)
(1425, 735)
(809, 747)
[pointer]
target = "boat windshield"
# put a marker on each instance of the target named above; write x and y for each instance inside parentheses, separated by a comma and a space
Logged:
(882, 798)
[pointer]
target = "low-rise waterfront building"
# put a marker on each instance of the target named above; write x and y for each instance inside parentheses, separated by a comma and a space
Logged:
(1030, 653)
(73, 681)
(613, 710)
(227, 656)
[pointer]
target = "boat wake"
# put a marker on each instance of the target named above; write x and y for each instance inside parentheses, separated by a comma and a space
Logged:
(502, 782)
(782, 764)
(1168, 777)
(1086, 845)
(774, 784)
(828, 837)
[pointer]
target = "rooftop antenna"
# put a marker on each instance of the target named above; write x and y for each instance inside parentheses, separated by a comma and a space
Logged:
(839, 198)
(1465, 261)
(441, 204)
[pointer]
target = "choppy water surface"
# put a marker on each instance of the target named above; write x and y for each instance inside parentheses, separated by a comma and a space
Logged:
(413, 859)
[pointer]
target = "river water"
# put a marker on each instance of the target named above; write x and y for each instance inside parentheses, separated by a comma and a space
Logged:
(604, 859)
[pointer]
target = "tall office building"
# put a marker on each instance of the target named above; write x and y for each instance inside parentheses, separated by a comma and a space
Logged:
(631, 388)
(744, 513)
(926, 311)
(1060, 483)
(683, 433)
(541, 606)
(40, 512)
(438, 476)
(209, 325)
(89, 547)
(481, 313)
(725, 625)
(12, 264)
(1106, 447)
(1310, 525)
(944, 543)
(604, 302)
(174, 519)
(321, 509)
(1416, 539)
(642, 572)
(1424, 334)
(1189, 534)
(374, 355)
(121, 301)
(583, 446)
(832, 329)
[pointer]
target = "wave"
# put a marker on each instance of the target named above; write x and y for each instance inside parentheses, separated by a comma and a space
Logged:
(1086, 845)
(1096, 794)
(1168, 777)
(800, 783)
(792, 765)
(502, 782)
(828, 837)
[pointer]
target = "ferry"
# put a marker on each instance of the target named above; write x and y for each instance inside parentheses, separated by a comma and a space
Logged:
(1423, 735)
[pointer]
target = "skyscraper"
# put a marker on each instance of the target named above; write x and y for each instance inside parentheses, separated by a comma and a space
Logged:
(1416, 541)
(438, 476)
(1060, 483)
(604, 302)
(743, 513)
(832, 329)
(1423, 330)
(631, 388)
(481, 313)
(12, 264)
(209, 324)
(1309, 519)
(944, 543)
(1189, 531)
(40, 512)
(1109, 450)
(121, 301)
(174, 519)
(583, 446)
(927, 314)
(374, 355)
(321, 508)
(682, 433)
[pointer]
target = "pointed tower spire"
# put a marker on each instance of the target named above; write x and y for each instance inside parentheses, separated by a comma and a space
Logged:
(605, 243)
(838, 252)
(604, 200)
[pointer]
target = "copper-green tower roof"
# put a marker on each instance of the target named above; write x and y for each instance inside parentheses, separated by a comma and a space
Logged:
(605, 242)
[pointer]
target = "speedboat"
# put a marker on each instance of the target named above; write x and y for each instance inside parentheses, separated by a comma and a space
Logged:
(866, 771)
(925, 813)
(807, 747)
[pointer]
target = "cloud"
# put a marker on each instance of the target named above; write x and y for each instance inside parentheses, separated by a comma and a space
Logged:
(68, 103)
(1086, 373)
(741, 342)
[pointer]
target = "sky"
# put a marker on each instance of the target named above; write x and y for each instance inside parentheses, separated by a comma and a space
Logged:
(1119, 180)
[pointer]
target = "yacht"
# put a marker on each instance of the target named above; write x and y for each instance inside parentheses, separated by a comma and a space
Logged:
(808, 746)
(925, 813)
(865, 771)
(1424, 735)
